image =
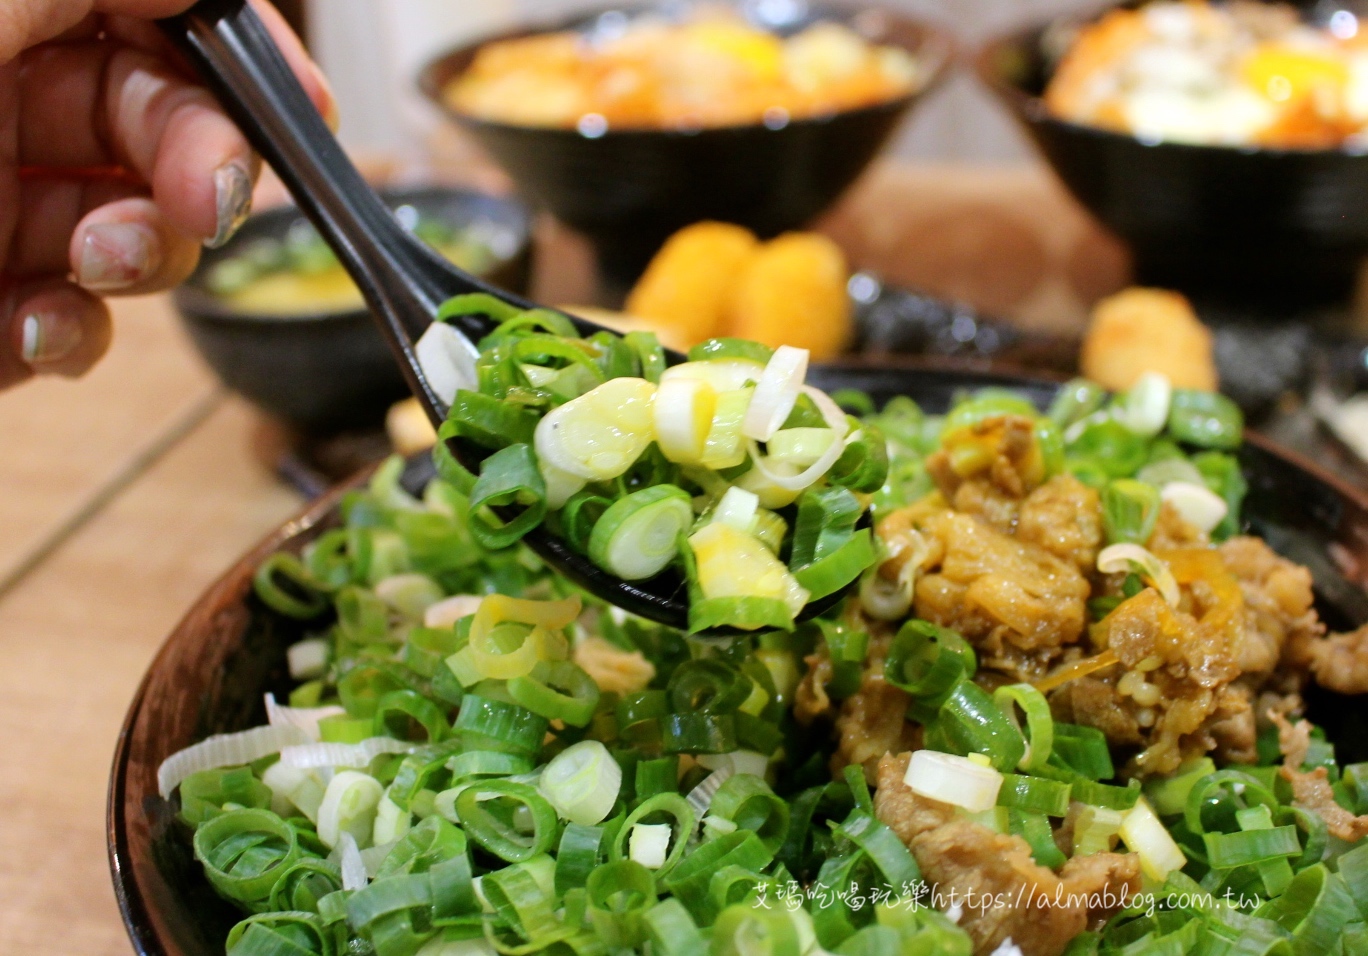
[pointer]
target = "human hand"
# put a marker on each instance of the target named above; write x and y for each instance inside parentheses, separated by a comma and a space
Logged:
(115, 167)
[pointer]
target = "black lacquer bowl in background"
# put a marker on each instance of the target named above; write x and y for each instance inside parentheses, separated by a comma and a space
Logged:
(211, 673)
(1266, 230)
(323, 372)
(628, 190)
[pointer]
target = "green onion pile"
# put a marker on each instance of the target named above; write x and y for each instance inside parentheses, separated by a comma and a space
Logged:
(726, 467)
(448, 780)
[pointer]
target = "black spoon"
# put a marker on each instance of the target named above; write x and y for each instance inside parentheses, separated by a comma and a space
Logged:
(404, 281)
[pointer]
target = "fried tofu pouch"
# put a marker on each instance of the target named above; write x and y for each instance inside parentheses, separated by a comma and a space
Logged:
(1147, 330)
(688, 283)
(793, 292)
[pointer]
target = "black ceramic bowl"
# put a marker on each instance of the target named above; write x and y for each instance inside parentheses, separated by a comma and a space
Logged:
(211, 673)
(1263, 228)
(628, 190)
(328, 371)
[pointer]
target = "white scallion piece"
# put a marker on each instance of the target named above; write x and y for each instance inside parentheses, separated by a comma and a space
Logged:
(374, 857)
(355, 756)
(952, 779)
(701, 796)
(447, 359)
(409, 593)
(354, 875)
(840, 428)
(732, 563)
(718, 825)
(1146, 835)
(391, 822)
(683, 414)
(582, 782)
(349, 806)
(447, 612)
(737, 761)
(292, 787)
(737, 508)
(1007, 947)
(776, 393)
(598, 435)
(1196, 504)
(305, 718)
(561, 486)
(801, 447)
(1144, 409)
(724, 375)
(1133, 558)
(307, 658)
(225, 750)
(649, 843)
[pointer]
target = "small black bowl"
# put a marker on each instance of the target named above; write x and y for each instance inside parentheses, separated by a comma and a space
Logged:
(326, 372)
(1263, 230)
(628, 190)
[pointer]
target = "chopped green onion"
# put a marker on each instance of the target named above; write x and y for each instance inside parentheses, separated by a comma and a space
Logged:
(1050, 797)
(496, 835)
(1039, 734)
(1205, 419)
(974, 724)
(1129, 511)
(508, 478)
(638, 536)
(582, 782)
(1075, 400)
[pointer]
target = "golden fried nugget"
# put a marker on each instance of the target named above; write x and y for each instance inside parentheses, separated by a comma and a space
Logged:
(1147, 330)
(687, 284)
(793, 292)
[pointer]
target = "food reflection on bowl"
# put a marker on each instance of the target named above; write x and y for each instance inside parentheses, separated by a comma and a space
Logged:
(280, 322)
(629, 186)
(1260, 229)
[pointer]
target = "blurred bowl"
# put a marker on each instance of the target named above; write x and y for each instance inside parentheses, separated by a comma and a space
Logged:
(327, 371)
(630, 189)
(1264, 230)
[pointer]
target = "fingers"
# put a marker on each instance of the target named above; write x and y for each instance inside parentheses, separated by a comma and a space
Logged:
(130, 248)
(113, 240)
(51, 328)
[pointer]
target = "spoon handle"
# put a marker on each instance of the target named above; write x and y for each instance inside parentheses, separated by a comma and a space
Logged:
(402, 279)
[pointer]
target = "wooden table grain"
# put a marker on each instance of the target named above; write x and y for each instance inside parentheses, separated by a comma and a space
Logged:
(124, 496)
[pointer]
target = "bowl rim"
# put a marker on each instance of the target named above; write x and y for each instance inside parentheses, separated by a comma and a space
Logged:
(1031, 107)
(198, 305)
(133, 906)
(947, 53)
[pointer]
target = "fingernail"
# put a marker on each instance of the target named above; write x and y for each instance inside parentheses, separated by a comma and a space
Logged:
(116, 255)
(48, 337)
(232, 201)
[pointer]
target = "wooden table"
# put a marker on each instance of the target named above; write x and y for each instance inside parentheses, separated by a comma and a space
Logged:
(124, 496)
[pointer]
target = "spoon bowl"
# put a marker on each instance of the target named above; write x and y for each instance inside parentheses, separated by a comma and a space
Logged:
(403, 280)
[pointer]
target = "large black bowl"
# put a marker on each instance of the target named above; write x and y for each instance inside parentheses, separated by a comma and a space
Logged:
(210, 674)
(628, 190)
(1262, 229)
(324, 372)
